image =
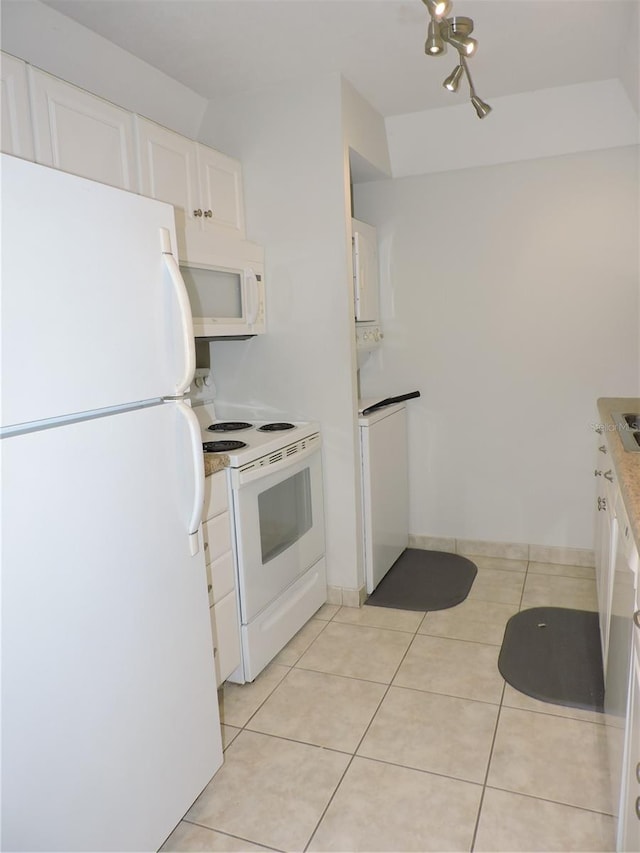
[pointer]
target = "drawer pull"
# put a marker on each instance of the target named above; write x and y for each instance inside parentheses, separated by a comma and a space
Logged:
(638, 807)
(638, 771)
(636, 619)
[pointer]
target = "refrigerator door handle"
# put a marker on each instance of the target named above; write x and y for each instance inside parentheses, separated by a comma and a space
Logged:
(186, 320)
(198, 474)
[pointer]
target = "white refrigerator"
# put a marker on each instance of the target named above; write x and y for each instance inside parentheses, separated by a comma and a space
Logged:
(110, 725)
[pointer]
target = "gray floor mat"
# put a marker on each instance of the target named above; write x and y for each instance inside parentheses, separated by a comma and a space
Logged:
(553, 654)
(425, 580)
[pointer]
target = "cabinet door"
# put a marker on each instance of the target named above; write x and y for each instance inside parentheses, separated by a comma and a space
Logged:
(220, 179)
(604, 545)
(629, 821)
(169, 172)
(365, 272)
(80, 133)
(225, 632)
(16, 130)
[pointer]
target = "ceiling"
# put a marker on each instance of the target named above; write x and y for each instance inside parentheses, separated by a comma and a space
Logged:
(222, 47)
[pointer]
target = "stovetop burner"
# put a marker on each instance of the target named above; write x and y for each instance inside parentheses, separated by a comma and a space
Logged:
(229, 426)
(222, 446)
(276, 427)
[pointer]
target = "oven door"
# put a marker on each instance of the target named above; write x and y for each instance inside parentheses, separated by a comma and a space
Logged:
(279, 520)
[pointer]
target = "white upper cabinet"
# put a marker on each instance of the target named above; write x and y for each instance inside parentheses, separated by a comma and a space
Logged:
(203, 185)
(81, 133)
(365, 271)
(16, 132)
(221, 187)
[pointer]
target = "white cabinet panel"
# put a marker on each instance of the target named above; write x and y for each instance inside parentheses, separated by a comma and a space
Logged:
(217, 537)
(221, 185)
(169, 171)
(203, 185)
(223, 576)
(629, 825)
(226, 637)
(215, 495)
(365, 272)
(16, 129)
(80, 133)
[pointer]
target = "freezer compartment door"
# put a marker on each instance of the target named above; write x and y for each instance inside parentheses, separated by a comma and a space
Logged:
(110, 725)
(93, 306)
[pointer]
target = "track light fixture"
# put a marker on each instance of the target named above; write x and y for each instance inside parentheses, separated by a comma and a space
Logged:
(456, 31)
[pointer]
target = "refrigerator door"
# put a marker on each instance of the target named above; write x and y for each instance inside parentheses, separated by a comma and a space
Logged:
(93, 304)
(110, 725)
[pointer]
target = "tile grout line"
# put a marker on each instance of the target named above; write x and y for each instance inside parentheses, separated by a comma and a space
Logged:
(275, 687)
(359, 744)
(231, 835)
(495, 732)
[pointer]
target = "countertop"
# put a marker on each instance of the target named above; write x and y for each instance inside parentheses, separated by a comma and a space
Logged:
(214, 462)
(625, 464)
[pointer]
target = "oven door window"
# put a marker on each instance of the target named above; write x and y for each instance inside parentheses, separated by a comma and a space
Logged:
(285, 515)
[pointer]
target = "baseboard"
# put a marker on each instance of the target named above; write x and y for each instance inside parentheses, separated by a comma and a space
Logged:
(556, 554)
(346, 597)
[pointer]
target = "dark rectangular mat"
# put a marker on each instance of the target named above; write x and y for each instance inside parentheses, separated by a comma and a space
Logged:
(425, 580)
(553, 654)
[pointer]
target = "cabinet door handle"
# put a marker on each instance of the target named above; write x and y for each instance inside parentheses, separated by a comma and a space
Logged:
(208, 214)
(197, 212)
(638, 807)
(602, 448)
(608, 475)
(636, 619)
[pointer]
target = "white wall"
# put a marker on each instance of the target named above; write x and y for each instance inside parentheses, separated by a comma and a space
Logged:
(563, 120)
(290, 143)
(57, 44)
(510, 299)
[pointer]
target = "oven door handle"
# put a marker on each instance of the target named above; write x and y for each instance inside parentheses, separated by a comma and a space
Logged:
(198, 474)
(254, 470)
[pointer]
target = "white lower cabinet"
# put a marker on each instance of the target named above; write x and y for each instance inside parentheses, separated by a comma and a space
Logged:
(221, 577)
(605, 539)
(629, 825)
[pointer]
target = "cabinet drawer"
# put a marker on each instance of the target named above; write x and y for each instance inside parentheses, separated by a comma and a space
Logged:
(225, 632)
(217, 537)
(223, 576)
(215, 495)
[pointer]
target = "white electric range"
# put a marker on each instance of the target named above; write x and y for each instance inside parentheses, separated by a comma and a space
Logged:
(276, 495)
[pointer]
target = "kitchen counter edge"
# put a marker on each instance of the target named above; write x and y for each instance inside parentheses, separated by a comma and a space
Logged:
(214, 462)
(625, 463)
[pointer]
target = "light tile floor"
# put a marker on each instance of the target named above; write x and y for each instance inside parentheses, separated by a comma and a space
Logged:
(388, 730)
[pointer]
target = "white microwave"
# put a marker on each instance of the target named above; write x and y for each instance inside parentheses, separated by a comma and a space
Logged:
(227, 295)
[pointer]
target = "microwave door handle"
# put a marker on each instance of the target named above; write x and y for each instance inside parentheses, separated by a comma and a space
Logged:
(184, 307)
(198, 474)
(252, 283)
